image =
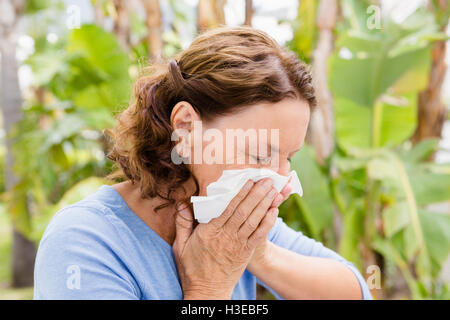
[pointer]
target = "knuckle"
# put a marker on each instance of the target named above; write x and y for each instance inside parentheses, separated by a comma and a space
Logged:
(240, 196)
(259, 236)
(225, 215)
(265, 204)
(228, 236)
(251, 224)
(235, 202)
(265, 225)
(248, 246)
(260, 192)
(240, 213)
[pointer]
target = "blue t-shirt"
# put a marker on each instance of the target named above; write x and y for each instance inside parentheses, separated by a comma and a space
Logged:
(98, 248)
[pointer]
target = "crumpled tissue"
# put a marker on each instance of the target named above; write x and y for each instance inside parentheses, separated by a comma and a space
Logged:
(220, 193)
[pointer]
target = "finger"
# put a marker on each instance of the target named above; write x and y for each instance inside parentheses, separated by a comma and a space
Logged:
(253, 221)
(222, 219)
(263, 229)
(278, 201)
(284, 194)
(245, 208)
(286, 190)
(184, 224)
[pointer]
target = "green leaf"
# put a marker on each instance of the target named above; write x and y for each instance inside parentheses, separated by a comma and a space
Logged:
(305, 29)
(101, 53)
(16, 200)
(370, 72)
(355, 12)
(380, 71)
(395, 218)
(62, 129)
(436, 229)
(391, 171)
(428, 187)
(79, 191)
(387, 249)
(316, 204)
(352, 232)
(421, 151)
(45, 65)
(32, 6)
(358, 126)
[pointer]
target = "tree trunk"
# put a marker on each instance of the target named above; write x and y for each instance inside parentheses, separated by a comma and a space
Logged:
(23, 250)
(99, 14)
(432, 113)
(121, 23)
(24, 253)
(154, 37)
(248, 12)
(321, 133)
(210, 14)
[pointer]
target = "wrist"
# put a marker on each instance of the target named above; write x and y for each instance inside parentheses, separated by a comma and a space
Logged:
(265, 262)
(206, 293)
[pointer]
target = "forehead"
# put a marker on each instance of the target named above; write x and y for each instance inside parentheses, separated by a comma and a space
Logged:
(289, 116)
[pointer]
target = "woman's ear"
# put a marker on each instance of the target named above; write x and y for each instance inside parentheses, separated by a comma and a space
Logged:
(183, 116)
(183, 119)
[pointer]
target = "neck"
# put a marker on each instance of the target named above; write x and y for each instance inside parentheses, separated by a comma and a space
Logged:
(162, 221)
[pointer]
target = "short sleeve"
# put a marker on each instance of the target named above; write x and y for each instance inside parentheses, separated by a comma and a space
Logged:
(286, 237)
(79, 258)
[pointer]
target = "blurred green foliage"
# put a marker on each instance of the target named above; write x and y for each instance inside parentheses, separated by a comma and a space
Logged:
(59, 141)
(375, 182)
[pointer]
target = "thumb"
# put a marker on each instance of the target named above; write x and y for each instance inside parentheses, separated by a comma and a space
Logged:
(184, 224)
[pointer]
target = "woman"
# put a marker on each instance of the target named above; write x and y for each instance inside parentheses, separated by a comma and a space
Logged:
(138, 239)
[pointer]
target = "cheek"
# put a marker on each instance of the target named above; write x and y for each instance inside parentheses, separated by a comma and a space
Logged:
(206, 174)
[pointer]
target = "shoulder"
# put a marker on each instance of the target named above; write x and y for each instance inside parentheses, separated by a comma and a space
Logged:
(84, 238)
(85, 218)
(74, 229)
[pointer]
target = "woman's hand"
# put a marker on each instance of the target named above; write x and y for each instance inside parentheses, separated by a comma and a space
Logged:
(262, 254)
(212, 257)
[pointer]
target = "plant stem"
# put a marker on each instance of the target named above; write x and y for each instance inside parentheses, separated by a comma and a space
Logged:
(377, 118)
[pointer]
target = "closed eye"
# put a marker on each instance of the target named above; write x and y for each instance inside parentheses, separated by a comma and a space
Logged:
(263, 161)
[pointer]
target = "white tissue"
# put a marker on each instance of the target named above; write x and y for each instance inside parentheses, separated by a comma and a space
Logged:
(220, 193)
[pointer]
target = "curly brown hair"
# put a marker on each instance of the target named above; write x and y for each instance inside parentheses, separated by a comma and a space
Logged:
(222, 71)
